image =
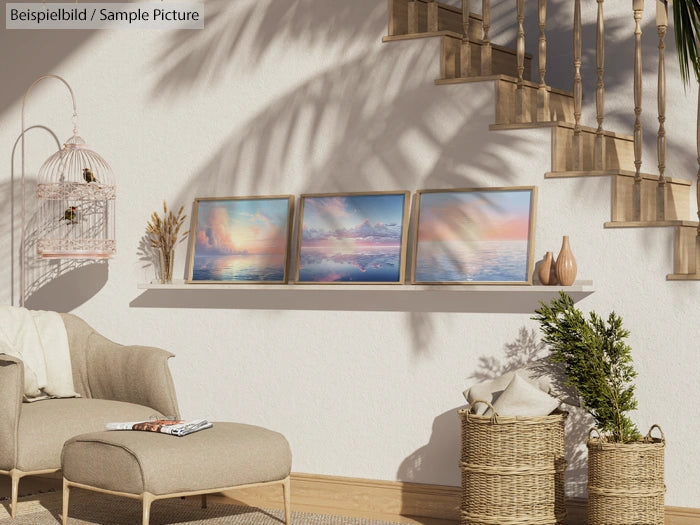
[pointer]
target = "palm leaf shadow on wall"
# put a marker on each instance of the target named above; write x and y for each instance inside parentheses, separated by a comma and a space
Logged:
(350, 127)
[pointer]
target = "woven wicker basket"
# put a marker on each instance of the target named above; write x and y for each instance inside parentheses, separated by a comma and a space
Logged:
(512, 469)
(626, 481)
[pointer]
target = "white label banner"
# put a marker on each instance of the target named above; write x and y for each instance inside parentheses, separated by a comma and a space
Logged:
(73, 15)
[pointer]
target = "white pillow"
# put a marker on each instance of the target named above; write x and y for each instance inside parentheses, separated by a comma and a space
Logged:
(521, 398)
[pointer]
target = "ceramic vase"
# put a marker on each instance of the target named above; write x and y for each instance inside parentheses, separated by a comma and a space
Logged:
(566, 264)
(547, 272)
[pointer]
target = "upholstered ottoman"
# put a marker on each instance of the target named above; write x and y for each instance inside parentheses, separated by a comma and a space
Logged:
(150, 465)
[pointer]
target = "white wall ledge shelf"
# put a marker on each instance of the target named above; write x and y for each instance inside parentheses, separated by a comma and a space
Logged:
(356, 297)
(578, 286)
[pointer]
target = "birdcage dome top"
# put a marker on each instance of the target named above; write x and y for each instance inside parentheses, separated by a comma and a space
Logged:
(76, 163)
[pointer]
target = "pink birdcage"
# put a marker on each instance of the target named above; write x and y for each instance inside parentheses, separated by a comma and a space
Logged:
(76, 196)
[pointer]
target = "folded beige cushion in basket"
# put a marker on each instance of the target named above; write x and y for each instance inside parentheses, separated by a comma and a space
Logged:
(520, 398)
(491, 390)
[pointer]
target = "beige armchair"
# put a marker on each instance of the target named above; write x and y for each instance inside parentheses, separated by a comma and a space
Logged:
(116, 383)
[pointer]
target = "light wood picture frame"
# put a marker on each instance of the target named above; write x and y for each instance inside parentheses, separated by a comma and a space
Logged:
(240, 240)
(474, 236)
(352, 238)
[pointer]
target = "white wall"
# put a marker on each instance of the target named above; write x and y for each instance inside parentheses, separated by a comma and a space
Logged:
(302, 96)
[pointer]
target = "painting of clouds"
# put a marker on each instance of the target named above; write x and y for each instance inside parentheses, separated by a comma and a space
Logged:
(474, 236)
(240, 240)
(352, 238)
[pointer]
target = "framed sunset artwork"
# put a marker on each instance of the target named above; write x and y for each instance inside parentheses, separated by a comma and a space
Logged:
(474, 236)
(240, 240)
(352, 238)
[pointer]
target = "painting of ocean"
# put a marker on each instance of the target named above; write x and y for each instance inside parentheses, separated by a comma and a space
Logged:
(474, 236)
(497, 261)
(268, 267)
(371, 264)
(352, 238)
(240, 239)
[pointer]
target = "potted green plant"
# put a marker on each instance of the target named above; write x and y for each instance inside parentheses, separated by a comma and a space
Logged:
(625, 471)
(686, 29)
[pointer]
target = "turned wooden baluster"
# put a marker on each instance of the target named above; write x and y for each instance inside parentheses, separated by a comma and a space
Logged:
(697, 189)
(661, 25)
(433, 15)
(412, 16)
(578, 89)
(486, 43)
(599, 147)
(638, 7)
(520, 54)
(466, 51)
(542, 93)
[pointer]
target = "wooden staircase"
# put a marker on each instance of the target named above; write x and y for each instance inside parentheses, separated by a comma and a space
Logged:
(521, 103)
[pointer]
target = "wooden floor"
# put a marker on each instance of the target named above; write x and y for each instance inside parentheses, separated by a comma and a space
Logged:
(576, 508)
(353, 514)
(53, 483)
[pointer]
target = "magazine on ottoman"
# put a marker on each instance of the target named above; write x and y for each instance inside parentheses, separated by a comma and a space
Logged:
(173, 427)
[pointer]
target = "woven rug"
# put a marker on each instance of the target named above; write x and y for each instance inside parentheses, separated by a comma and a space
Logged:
(93, 508)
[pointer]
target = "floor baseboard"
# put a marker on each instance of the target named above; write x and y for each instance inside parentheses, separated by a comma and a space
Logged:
(396, 501)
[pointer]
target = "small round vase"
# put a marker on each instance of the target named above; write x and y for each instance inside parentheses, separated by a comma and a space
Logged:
(547, 272)
(566, 264)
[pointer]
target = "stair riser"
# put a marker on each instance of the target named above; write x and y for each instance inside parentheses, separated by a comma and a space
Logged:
(561, 107)
(503, 62)
(687, 250)
(449, 19)
(677, 200)
(619, 152)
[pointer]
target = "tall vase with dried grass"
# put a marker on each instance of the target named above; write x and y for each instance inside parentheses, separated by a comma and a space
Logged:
(163, 234)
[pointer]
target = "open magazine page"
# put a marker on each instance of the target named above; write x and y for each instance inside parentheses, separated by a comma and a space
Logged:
(164, 426)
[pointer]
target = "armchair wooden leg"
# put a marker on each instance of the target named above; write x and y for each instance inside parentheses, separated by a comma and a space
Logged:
(66, 496)
(287, 501)
(15, 476)
(204, 501)
(147, 499)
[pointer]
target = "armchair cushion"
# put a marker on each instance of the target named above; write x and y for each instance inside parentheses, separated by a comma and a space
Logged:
(46, 425)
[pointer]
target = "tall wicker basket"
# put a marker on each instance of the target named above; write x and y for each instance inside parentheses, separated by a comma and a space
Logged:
(626, 480)
(512, 469)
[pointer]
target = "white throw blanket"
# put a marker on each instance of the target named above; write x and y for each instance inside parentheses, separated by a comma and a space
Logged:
(40, 340)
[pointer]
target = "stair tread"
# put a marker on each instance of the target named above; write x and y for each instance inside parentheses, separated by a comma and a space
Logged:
(451, 34)
(504, 78)
(683, 277)
(560, 124)
(650, 224)
(422, 34)
(604, 173)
